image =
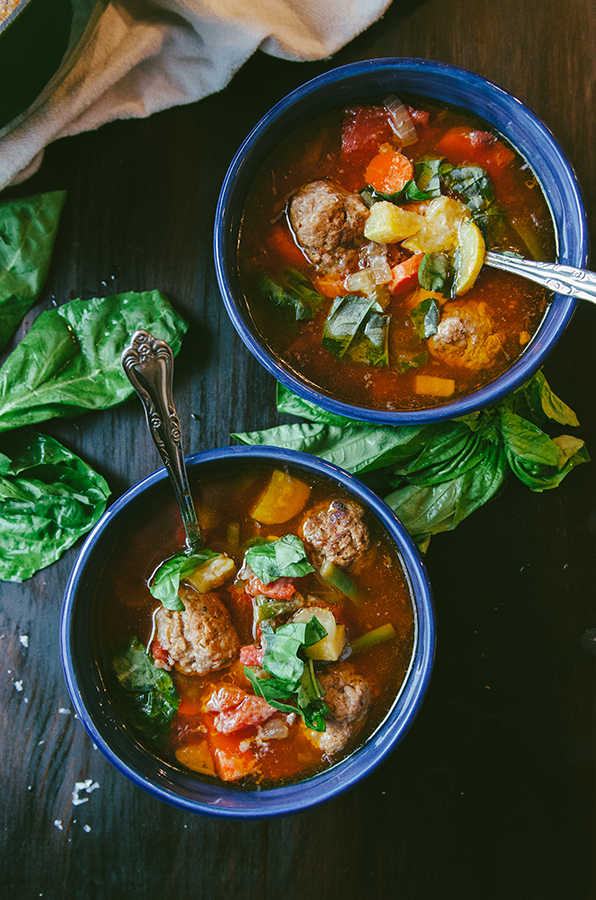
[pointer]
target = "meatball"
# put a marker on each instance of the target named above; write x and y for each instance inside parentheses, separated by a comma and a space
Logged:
(199, 639)
(328, 223)
(348, 696)
(337, 533)
(466, 337)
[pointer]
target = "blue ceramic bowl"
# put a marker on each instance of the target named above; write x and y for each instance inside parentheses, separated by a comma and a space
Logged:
(440, 81)
(98, 714)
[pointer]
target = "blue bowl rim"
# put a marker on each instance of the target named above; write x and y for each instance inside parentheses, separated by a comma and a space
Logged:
(572, 249)
(302, 795)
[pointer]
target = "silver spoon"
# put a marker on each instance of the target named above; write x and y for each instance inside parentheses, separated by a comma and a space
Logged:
(149, 365)
(568, 280)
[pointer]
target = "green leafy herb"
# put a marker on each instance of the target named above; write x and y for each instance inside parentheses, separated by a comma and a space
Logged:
(434, 476)
(69, 361)
(355, 330)
(425, 316)
(427, 174)
(284, 558)
(291, 677)
(293, 292)
(434, 272)
(28, 228)
(147, 694)
(165, 581)
(48, 499)
(409, 193)
(471, 183)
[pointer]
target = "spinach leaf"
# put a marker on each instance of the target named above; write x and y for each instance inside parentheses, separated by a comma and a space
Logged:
(28, 228)
(147, 694)
(290, 676)
(294, 292)
(49, 498)
(355, 329)
(425, 317)
(69, 361)
(427, 175)
(471, 183)
(165, 581)
(434, 272)
(284, 558)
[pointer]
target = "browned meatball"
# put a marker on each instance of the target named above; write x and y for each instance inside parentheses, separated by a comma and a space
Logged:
(466, 337)
(328, 223)
(337, 533)
(199, 639)
(347, 695)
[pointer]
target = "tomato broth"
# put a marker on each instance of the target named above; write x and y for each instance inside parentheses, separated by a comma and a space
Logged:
(341, 148)
(280, 750)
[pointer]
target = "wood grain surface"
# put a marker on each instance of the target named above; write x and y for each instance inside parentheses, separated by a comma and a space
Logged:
(492, 793)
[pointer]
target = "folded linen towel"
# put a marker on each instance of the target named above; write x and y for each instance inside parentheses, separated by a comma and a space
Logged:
(144, 57)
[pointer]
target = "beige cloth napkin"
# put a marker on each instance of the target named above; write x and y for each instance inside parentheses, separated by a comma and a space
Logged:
(146, 56)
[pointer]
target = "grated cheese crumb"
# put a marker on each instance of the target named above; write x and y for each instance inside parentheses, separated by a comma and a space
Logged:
(19, 685)
(24, 639)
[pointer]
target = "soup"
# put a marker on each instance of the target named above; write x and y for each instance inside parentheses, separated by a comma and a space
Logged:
(361, 247)
(257, 678)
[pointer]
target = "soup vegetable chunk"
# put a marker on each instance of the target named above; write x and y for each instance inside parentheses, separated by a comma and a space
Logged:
(280, 652)
(361, 253)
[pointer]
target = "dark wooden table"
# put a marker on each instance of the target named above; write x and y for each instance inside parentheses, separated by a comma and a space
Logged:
(492, 793)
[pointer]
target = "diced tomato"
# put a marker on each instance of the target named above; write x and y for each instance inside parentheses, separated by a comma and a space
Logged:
(466, 145)
(251, 655)
(237, 709)
(364, 128)
(419, 116)
(404, 275)
(389, 171)
(280, 589)
(283, 245)
(232, 762)
(158, 652)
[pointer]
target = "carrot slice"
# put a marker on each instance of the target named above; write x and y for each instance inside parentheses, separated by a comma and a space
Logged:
(404, 275)
(462, 145)
(389, 171)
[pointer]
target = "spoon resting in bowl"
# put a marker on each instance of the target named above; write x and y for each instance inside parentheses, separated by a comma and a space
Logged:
(561, 279)
(149, 364)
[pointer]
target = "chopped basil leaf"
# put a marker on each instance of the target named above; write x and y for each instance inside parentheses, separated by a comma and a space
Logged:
(294, 292)
(491, 222)
(470, 182)
(148, 695)
(406, 361)
(434, 272)
(285, 558)
(356, 330)
(410, 192)
(165, 581)
(427, 174)
(425, 317)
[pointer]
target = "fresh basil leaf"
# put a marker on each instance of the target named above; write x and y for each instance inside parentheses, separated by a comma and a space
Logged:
(284, 558)
(450, 452)
(545, 404)
(293, 292)
(404, 360)
(289, 402)
(425, 317)
(49, 498)
(410, 192)
(471, 183)
(491, 221)
(165, 581)
(434, 272)
(427, 175)
(526, 441)
(28, 228)
(355, 330)
(148, 696)
(69, 361)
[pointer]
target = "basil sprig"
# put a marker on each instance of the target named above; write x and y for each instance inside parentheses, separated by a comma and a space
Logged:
(290, 683)
(284, 558)
(165, 581)
(292, 292)
(356, 330)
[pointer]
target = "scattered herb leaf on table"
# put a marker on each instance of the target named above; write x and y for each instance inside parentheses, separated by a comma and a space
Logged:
(434, 476)
(28, 228)
(48, 499)
(69, 361)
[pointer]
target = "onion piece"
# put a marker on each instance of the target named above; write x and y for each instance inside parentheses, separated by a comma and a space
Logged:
(362, 282)
(377, 258)
(400, 120)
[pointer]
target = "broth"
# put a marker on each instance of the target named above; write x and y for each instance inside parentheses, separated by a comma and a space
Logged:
(282, 748)
(268, 247)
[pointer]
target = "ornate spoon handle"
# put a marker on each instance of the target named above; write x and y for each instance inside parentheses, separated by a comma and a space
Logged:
(149, 364)
(561, 279)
